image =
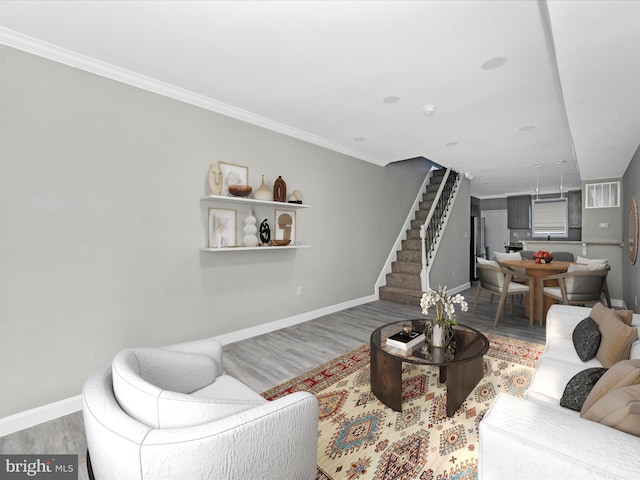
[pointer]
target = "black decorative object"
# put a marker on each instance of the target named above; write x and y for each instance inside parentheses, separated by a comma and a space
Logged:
(579, 387)
(586, 339)
(265, 232)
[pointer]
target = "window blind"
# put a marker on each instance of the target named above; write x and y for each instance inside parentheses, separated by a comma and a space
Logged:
(550, 218)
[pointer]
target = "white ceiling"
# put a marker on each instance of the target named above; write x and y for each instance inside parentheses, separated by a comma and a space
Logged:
(319, 71)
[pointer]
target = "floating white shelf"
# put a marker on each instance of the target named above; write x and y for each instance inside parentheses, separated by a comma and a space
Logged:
(251, 201)
(244, 249)
(257, 203)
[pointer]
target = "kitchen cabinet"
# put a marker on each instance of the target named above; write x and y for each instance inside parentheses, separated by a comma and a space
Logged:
(519, 212)
(575, 209)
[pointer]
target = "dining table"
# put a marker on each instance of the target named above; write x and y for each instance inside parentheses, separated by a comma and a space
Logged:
(538, 271)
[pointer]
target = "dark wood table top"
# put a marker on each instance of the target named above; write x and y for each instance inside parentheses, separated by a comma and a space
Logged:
(469, 344)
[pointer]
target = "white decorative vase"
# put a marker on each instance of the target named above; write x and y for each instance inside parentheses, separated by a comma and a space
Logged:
(263, 193)
(437, 335)
(250, 239)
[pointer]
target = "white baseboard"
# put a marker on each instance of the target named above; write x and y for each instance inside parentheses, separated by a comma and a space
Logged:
(45, 413)
(36, 416)
(288, 322)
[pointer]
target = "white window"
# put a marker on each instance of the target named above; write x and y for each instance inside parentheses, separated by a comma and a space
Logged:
(602, 195)
(549, 218)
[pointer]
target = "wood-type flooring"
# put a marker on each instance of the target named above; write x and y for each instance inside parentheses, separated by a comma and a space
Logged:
(267, 360)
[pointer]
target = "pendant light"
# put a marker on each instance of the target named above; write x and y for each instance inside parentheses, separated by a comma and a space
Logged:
(537, 166)
(561, 163)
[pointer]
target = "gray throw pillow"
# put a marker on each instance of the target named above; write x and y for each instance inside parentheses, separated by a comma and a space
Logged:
(579, 387)
(586, 339)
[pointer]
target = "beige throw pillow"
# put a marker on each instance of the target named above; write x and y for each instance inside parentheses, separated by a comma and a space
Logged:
(622, 374)
(616, 341)
(619, 409)
(599, 311)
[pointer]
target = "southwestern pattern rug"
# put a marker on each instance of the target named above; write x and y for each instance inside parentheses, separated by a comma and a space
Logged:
(359, 438)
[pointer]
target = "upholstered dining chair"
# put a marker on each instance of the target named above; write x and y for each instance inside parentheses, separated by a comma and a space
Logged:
(171, 413)
(563, 256)
(527, 254)
(579, 285)
(519, 274)
(497, 280)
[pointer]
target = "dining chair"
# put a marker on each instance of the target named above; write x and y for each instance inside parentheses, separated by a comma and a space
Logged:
(527, 254)
(597, 263)
(498, 280)
(563, 256)
(579, 285)
(519, 274)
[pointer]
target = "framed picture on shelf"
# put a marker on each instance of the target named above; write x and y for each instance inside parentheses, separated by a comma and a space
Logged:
(285, 225)
(222, 227)
(233, 175)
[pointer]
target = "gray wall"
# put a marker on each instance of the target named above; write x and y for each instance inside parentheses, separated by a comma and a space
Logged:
(451, 264)
(102, 225)
(593, 217)
(631, 273)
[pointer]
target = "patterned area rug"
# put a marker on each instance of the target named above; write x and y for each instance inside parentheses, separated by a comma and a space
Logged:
(360, 438)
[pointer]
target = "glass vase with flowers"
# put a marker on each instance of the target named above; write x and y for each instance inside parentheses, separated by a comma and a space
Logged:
(438, 330)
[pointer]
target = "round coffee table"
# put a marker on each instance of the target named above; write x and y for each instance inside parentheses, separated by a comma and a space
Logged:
(460, 368)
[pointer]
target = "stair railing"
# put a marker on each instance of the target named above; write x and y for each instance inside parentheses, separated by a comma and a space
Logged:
(431, 228)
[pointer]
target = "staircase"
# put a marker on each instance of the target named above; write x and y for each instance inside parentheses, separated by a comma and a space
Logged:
(403, 283)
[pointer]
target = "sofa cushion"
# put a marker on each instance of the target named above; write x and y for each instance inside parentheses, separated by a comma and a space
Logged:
(579, 387)
(586, 339)
(619, 408)
(616, 341)
(599, 311)
(552, 375)
(164, 388)
(622, 374)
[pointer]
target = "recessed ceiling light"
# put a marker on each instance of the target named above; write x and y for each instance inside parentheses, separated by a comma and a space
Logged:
(451, 144)
(537, 165)
(527, 128)
(493, 63)
(429, 109)
(359, 139)
(391, 99)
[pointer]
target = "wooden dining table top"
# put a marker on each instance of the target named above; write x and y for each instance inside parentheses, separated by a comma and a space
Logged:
(530, 264)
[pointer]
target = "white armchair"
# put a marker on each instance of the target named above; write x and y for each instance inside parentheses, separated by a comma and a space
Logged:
(170, 413)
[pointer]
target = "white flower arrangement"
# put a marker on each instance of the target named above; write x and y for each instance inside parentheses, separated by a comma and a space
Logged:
(444, 305)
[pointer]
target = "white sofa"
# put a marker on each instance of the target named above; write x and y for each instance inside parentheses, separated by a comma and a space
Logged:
(533, 437)
(170, 413)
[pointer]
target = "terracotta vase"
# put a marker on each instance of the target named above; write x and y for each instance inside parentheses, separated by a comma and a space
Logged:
(280, 190)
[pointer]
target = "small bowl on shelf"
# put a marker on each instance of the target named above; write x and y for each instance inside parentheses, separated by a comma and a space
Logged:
(240, 190)
(281, 243)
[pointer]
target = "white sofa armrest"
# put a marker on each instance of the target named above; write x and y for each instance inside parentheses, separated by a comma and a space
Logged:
(526, 440)
(276, 440)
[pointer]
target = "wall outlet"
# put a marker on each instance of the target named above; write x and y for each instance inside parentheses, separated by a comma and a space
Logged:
(299, 290)
(604, 225)
(454, 272)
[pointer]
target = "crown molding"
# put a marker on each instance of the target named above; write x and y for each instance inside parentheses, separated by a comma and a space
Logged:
(73, 59)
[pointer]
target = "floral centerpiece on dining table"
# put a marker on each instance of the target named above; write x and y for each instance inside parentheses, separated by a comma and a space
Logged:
(438, 329)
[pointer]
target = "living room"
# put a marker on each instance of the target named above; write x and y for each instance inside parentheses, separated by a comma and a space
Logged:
(103, 226)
